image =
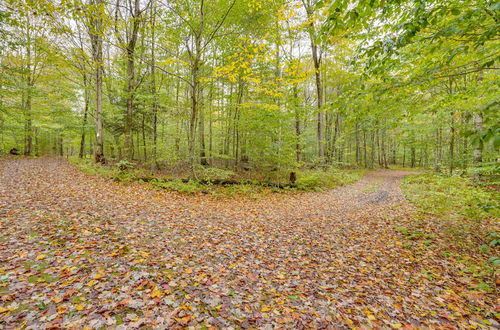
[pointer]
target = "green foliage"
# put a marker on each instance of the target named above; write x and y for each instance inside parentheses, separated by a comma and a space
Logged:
(462, 209)
(124, 165)
(213, 174)
(111, 172)
(495, 261)
(190, 186)
(330, 178)
(452, 197)
(91, 168)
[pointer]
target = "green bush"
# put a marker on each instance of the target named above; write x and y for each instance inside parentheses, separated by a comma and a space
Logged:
(314, 180)
(451, 196)
(214, 174)
(310, 181)
(89, 167)
(121, 172)
(124, 165)
(178, 185)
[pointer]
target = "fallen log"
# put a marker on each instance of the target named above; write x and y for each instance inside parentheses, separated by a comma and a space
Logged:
(223, 182)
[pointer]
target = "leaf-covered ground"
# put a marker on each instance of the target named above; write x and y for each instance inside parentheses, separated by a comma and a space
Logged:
(82, 251)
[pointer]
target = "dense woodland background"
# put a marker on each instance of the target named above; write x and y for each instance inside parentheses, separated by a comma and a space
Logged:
(230, 101)
(252, 84)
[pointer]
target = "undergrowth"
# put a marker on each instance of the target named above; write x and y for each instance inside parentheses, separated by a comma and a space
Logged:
(223, 182)
(463, 216)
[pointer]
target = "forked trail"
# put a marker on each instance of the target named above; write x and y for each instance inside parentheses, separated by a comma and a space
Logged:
(85, 251)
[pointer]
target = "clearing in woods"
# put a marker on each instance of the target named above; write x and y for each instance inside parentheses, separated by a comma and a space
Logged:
(79, 251)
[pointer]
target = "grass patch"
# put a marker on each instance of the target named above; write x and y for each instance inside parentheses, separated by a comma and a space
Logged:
(42, 278)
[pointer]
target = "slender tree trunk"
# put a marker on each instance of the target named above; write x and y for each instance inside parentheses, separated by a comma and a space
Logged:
(131, 84)
(85, 116)
(194, 112)
(316, 56)
(452, 144)
(404, 155)
(203, 155)
(144, 137)
(364, 149)
(96, 37)
(28, 124)
(412, 151)
(319, 94)
(356, 136)
(60, 144)
(478, 149)
(372, 163)
(384, 158)
(210, 126)
(153, 83)
(28, 131)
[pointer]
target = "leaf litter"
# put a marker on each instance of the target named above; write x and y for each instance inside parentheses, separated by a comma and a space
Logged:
(83, 251)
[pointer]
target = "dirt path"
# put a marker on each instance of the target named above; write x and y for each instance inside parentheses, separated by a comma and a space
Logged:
(85, 251)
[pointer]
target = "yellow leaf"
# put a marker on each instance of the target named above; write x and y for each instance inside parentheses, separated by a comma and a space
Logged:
(62, 309)
(188, 270)
(91, 283)
(41, 257)
(265, 308)
(3, 310)
(100, 274)
(371, 317)
(396, 325)
(80, 307)
(57, 300)
(156, 293)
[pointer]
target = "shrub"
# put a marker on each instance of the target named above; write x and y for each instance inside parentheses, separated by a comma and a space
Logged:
(451, 196)
(326, 179)
(309, 182)
(178, 185)
(125, 165)
(215, 174)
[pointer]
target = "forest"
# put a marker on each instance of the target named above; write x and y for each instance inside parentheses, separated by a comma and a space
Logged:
(252, 84)
(248, 164)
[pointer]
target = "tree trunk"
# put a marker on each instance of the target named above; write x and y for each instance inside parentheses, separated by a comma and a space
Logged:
(478, 149)
(153, 84)
(85, 116)
(298, 146)
(28, 134)
(316, 56)
(203, 155)
(452, 144)
(95, 31)
(144, 137)
(319, 94)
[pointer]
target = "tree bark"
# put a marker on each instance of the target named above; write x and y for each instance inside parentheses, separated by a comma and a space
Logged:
(316, 56)
(478, 149)
(85, 115)
(95, 31)
(131, 84)
(28, 131)
(153, 83)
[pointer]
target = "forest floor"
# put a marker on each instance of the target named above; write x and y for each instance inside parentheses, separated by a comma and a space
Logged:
(80, 250)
